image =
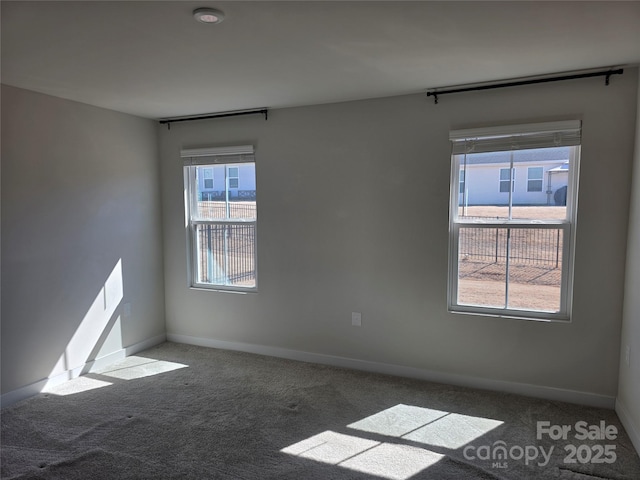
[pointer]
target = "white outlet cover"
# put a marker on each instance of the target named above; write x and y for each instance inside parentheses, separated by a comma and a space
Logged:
(356, 319)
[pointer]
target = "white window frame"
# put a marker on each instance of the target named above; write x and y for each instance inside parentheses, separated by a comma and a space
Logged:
(529, 179)
(202, 157)
(517, 137)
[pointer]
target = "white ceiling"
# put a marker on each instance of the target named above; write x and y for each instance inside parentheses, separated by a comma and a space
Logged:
(152, 59)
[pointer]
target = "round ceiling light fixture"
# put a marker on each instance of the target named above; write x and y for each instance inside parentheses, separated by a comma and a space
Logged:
(208, 15)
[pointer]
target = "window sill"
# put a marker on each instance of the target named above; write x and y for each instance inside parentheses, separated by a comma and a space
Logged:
(219, 289)
(512, 315)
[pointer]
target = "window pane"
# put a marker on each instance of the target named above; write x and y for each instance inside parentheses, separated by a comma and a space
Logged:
(484, 196)
(540, 180)
(535, 173)
(534, 186)
(535, 269)
(482, 276)
(217, 202)
(226, 254)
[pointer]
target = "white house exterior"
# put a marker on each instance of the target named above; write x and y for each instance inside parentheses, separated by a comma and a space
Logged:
(540, 177)
(239, 177)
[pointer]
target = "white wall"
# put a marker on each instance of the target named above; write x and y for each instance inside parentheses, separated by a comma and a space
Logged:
(628, 406)
(352, 202)
(81, 236)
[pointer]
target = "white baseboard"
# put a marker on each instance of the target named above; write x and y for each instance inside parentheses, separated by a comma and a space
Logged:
(632, 430)
(537, 391)
(99, 363)
(145, 344)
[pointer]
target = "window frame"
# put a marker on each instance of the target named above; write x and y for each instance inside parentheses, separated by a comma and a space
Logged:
(209, 158)
(568, 227)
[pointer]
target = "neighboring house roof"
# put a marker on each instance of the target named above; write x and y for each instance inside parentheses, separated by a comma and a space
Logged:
(559, 154)
(561, 168)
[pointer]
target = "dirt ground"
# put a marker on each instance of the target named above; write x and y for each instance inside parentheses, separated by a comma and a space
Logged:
(544, 298)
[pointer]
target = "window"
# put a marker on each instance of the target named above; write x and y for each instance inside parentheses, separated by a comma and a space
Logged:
(221, 224)
(233, 173)
(507, 180)
(462, 172)
(208, 178)
(534, 179)
(508, 257)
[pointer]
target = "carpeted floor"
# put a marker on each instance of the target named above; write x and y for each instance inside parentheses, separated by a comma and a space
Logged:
(178, 411)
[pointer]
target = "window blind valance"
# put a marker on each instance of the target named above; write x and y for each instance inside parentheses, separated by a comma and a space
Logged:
(516, 137)
(212, 155)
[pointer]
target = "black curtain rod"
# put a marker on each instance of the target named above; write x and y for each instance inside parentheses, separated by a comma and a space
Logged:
(169, 121)
(606, 73)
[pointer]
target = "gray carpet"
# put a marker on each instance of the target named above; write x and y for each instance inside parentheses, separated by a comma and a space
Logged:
(178, 411)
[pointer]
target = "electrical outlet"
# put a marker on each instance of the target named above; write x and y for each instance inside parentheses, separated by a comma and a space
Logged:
(627, 355)
(356, 319)
(126, 309)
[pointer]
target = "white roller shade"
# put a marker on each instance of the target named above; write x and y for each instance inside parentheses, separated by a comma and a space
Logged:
(211, 155)
(516, 137)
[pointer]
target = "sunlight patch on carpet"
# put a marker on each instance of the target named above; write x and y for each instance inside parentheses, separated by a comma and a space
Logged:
(395, 462)
(385, 460)
(139, 367)
(453, 430)
(428, 426)
(77, 385)
(399, 420)
(330, 447)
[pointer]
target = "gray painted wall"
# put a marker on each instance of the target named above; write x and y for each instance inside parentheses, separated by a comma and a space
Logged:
(629, 386)
(80, 196)
(352, 202)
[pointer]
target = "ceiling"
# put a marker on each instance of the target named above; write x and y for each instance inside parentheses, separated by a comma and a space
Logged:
(152, 59)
